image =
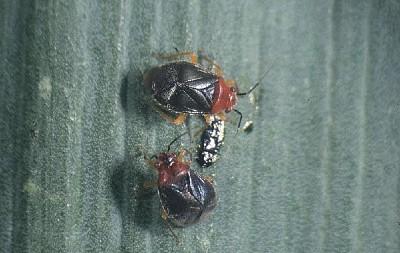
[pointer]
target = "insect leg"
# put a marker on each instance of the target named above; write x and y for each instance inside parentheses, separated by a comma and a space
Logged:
(175, 56)
(216, 68)
(182, 155)
(210, 117)
(240, 119)
(209, 179)
(230, 83)
(149, 160)
(178, 120)
(164, 216)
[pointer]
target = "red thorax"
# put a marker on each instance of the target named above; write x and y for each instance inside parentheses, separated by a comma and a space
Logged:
(224, 98)
(169, 168)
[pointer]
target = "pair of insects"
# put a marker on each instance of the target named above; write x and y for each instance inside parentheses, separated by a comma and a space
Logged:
(178, 89)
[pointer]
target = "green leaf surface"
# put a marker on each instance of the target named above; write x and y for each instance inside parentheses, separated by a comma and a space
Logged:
(319, 172)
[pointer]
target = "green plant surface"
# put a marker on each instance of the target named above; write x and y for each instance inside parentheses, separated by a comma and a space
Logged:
(319, 172)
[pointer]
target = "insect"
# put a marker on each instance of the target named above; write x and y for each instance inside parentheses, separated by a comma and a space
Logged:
(186, 197)
(210, 142)
(180, 88)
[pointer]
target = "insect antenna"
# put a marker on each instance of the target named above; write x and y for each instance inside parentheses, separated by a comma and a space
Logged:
(249, 91)
(174, 140)
(256, 84)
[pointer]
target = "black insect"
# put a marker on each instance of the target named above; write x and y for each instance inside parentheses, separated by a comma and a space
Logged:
(211, 141)
(186, 197)
(181, 88)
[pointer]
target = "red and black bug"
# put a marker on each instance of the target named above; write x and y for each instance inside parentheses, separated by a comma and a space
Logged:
(211, 141)
(186, 197)
(180, 88)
